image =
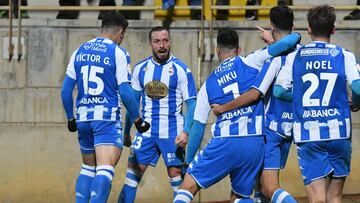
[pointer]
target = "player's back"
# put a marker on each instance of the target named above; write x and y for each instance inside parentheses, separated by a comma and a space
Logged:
(231, 78)
(320, 100)
(278, 113)
(96, 67)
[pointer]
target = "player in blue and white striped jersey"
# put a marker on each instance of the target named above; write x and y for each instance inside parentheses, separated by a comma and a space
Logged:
(164, 83)
(100, 70)
(318, 73)
(278, 114)
(237, 147)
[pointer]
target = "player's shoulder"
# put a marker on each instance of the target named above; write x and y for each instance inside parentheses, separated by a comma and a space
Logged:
(142, 62)
(179, 64)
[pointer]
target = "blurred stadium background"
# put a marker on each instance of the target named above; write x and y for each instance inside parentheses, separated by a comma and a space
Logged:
(40, 159)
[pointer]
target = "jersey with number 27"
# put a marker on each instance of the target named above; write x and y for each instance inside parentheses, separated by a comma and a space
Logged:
(319, 72)
(99, 66)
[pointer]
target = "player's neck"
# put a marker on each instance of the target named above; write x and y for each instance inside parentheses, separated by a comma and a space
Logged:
(223, 57)
(279, 35)
(321, 39)
(106, 35)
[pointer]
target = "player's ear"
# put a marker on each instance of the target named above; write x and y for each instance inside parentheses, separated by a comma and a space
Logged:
(333, 30)
(217, 52)
(238, 50)
(120, 35)
(309, 31)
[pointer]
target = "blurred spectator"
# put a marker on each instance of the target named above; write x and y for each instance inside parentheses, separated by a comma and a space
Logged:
(5, 13)
(75, 14)
(133, 15)
(249, 14)
(166, 4)
(355, 14)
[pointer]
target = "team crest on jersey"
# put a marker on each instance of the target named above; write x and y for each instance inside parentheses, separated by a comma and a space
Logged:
(156, 89)
(145, 69)
(334, 52)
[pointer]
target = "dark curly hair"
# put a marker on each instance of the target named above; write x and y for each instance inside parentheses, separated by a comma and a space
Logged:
(282, 17)
(321, 20)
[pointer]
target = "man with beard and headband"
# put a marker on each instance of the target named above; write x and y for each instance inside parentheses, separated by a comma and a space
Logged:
(163, 83)
(99, 69)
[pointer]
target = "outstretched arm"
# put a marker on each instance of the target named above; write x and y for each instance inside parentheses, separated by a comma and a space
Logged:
(284, 45)
(245, 99)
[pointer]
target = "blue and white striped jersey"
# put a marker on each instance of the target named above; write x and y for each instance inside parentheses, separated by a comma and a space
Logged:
(232, 77)
(164, 88)
(278, 113)
(99, 66)
(318, 73)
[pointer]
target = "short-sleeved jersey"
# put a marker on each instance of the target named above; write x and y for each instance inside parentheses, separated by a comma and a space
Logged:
(164, 88)
(231, 78)
(99, 66)
(278, 113)
(318, 73)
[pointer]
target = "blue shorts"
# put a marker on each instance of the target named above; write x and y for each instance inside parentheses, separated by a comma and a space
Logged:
(277, 149)
(93, 133)
(323, 158)
(242, 158)
(147, 150)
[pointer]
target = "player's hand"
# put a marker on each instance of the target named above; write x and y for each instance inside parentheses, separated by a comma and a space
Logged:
(141, 125)
(127, 140)
(217, 109)
(72, 125)
(182, 139)
(265, 35)
(353, 108)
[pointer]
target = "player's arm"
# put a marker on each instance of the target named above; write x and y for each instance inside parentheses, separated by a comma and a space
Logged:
(262, 83)
(286, 44)
(68, 103)
(127, 97)
(352, 73)
(188, 91)
(182, 139)
(67, 93)
(283, 84)
(282, 93)
(245, 99)
(196, 134)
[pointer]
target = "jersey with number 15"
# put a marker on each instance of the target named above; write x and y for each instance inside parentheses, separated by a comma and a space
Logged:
(99, 66)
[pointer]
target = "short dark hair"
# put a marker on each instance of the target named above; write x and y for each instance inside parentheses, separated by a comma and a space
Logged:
(158, 29)
(227, 38)
(321, 20)
(282, 17)
(114, 19)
